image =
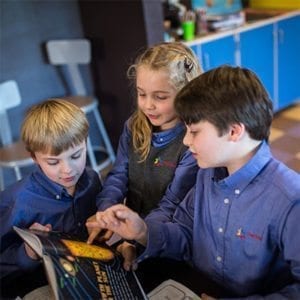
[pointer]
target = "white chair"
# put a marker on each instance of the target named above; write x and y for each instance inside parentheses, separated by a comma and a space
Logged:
(12, 153)
(71, 54)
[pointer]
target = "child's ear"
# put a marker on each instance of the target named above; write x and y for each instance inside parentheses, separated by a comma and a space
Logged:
(237, 131)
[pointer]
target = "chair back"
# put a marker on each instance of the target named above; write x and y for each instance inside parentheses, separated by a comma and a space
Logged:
(9, 97)
(71, 53)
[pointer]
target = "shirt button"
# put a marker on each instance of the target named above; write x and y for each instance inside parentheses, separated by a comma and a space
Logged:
(79, 224)
(57, 197)
(161, 139)
(220, 229)
(226, 200)
(219, 258)
(237, 191)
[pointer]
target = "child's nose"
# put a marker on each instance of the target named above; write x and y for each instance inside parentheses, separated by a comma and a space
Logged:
(149, 103)
(187, 139)
(66, 167)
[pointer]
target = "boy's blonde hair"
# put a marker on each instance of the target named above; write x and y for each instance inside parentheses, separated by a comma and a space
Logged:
(182, 66)
(54, 126)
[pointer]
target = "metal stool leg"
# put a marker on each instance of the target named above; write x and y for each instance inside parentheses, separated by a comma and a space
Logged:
(105, 138)
(91, 154)
(1, 180)
(18, 173)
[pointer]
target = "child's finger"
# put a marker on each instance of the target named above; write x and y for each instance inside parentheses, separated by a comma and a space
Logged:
(129, 254)
(93, 234)
(38, 226)
(108, 234)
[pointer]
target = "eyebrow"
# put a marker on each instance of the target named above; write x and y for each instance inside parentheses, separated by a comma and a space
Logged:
(74, 153)
(163, 92)
(80, 149)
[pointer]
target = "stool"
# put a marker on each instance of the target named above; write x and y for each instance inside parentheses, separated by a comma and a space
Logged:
(71, 53)
(12, 153)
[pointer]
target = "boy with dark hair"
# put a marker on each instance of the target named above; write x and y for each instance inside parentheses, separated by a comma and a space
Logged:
(239, 225)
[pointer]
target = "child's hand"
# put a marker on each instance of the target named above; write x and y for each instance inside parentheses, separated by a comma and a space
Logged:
(128, 252)
(123, 221)
(94, 229)
(32, 254)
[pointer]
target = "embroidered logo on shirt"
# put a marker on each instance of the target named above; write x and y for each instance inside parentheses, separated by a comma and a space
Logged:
(158, 162)
(242, 235)
(239, 233)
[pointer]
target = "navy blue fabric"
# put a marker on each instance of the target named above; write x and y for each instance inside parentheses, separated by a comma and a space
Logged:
(37, 199)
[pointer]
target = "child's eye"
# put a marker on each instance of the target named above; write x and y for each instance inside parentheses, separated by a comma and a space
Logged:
(161, 97)
(52, 162)
(141, 95)
(76, 156)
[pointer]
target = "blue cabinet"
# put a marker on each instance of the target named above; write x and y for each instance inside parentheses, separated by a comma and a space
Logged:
(257, 54)
(288, 39)
(218, 52)
(270, 49)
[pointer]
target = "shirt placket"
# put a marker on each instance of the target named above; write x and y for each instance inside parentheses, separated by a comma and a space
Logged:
(220, 228)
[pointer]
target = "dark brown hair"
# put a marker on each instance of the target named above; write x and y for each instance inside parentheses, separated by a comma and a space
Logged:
(224, 96)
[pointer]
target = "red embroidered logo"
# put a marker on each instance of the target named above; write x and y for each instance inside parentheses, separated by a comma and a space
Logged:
(255, 236)
(158, 162)
(242, 236)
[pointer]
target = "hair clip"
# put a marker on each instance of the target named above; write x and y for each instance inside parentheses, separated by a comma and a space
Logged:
(188, 64)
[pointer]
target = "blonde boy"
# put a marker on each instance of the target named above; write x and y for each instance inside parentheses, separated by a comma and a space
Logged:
(58, 195)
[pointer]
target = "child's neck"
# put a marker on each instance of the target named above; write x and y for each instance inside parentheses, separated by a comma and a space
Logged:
(71, 190)
(244, 153)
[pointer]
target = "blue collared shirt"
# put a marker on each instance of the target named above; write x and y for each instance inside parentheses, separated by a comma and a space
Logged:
(38, 199)
(163, 138)
(241, 230)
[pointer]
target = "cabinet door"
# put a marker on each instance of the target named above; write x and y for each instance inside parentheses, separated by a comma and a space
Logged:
(218, 52)
(257, 54)
(289, 61)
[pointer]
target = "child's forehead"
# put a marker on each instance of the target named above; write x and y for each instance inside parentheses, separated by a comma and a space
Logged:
(194, 123)
(200, 124)
(154, 80)
(57, 152)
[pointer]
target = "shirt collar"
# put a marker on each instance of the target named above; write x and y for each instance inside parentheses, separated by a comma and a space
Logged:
(241, 178)
(162, 138)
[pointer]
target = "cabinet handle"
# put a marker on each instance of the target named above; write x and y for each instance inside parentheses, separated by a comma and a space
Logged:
(206, 61)
(237, 50)
(281, 36)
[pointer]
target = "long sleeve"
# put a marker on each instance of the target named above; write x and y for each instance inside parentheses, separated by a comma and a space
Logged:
(115, 186)
(13, 257)
(172, 239)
